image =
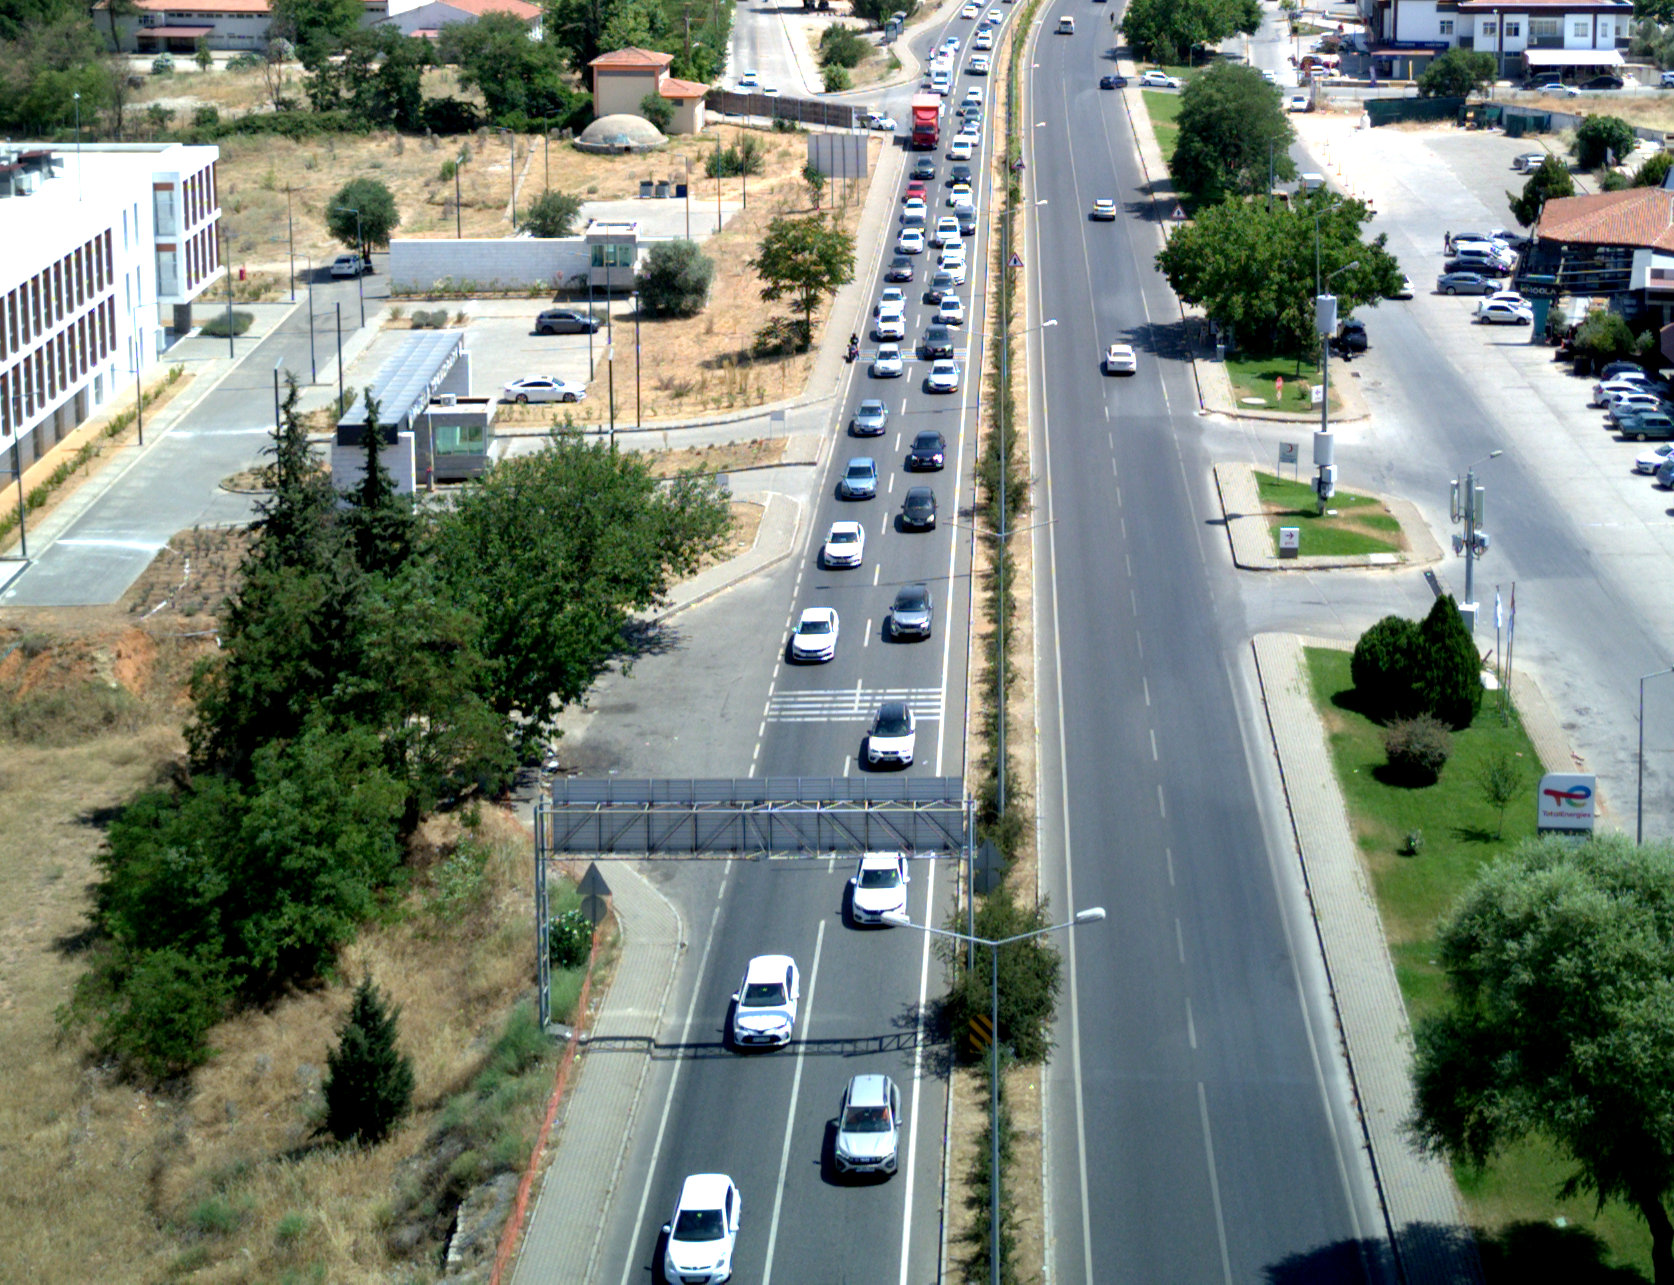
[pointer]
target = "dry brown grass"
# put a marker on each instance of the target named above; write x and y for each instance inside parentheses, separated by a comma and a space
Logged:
(722, 457)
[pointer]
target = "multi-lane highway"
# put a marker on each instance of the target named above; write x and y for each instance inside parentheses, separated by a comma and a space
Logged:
(765, 1118)
(1198, 1120)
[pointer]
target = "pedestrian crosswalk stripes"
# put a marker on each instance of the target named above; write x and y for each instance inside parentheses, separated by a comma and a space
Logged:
(850, 705)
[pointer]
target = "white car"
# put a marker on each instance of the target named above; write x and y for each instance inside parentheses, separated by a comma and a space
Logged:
(952, 256)
(955, 271)
(704, 1230)
(911, 241)
(876, 120)
(542, 388)
(950, 311)
(971, 129)
(1296, 103)
(943, 377)
(973, 95)
(878, 887)
(914, 211)
(815, 637)
(1119, 359)
(845, 546)
(886, 364)
(984, 40)
(749, 80)
(947, 231)
(894, 731)
(960, 150)
(1650, 461)
(1155, 79)
(1558, 90)
(1621, 384)
(969, 11)
(1615, 394)
(893, 299)
(1104, 210)
(980, 65)
(1500, 312)
(958, 192)
(868, 1126)
(890, 326)
(764, 1006)
(1269, 77)
(1404, 290)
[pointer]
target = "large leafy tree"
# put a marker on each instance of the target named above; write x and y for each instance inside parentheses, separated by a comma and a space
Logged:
(374, 77)
(805, 261)
(1550, 179)
(1169, 30)
(553, 214)
(512, 72)
(373, 203)
(553, 551)
(1458, 73)
(1231, 131)
(674, 279)
(1560, 1023)
(315, 27)
(1257, 270)
(1602, 140)
(44, 67)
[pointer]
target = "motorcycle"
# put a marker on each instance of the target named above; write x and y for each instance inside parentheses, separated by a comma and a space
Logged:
(854, 349)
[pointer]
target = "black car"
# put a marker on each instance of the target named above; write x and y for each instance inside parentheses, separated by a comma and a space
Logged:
(900, 268)
(967, 222)
(924, 168)
(911, 613)
(959, 174)
(918, 510)
(1471, 263)
(1601, 82)
(1351, 336)
(565, 321)
(937, 342)
(928, 451)
(1113, 82)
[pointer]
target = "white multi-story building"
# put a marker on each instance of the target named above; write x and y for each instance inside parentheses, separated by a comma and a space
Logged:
(1540, 38)
(98, 241)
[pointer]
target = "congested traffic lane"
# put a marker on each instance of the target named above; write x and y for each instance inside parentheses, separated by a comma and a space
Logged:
(1199, 1119)
(766, 1118)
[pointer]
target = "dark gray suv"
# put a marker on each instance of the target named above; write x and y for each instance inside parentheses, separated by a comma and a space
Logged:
(911, 613)
(566, 321)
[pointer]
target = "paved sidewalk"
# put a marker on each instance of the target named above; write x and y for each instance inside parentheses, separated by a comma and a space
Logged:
(1430, 1239)
(596, 1122)
(1252, 539)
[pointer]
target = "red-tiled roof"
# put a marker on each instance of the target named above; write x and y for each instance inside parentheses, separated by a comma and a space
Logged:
(672, 87)
(1545, 6)
(196, 6)
(521, 8)
(1638, 216)
(633, 58)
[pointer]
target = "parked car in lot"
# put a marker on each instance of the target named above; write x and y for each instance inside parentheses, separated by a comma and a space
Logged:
(1503, 313)
(1612, 391)
(1603, 82)
(1647, 425)
(350, 265)
(1652, 460)
(1529, 161)
(1296, 103)
(1665, 474)
(868, 1126)
(870, 418)
(918, 508)
(1351, 337)
(910, 615)
(1155, 79)
(1404, 290)
(542, 388)
(815, 635)
(566, 321)
(1626, 406)
(860, 479)
(1466, 282)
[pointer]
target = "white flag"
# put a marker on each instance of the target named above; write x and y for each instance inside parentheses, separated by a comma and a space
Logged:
(1499, 619)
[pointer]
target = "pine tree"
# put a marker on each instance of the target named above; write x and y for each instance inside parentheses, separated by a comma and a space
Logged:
(380, 520)
(1448, 671)
(369, 1082)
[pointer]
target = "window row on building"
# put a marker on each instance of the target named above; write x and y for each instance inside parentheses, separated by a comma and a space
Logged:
(34, 383)
(57, 291)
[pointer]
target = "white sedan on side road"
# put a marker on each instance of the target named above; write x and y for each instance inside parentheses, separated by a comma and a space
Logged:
(542, 388)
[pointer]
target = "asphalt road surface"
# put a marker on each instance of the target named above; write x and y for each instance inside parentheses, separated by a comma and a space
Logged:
(1199, 1126)
(766, 1118)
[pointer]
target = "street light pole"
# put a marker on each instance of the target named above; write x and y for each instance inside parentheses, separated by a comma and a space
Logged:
(1091, 915)
(360, 260)
(638, 422)
(290, 238)
(1639, 810)
(1467, 508)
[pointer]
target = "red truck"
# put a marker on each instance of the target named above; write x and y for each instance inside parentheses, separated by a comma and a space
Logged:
(927, 121)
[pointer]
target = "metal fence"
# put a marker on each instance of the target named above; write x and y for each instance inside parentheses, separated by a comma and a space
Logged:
(804, 111)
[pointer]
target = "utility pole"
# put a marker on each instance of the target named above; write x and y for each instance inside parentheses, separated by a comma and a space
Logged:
(1465, 506)
(290, 236)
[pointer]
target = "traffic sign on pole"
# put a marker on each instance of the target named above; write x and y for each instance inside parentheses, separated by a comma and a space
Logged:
(1016, 260)
(1179, 215)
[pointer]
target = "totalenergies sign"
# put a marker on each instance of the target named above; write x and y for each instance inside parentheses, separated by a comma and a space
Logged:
(1566, 801)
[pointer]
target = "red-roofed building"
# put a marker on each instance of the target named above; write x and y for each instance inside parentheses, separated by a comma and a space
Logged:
(427, 19)
(176, 26)
(621, 79)
(1609, 244)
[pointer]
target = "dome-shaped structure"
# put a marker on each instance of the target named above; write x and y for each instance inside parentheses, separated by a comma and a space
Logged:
(620, 133)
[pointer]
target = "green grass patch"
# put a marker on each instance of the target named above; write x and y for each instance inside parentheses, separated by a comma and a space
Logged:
(1256, 377)
(1163, 107)
(1516, 1198)
(1353, 524)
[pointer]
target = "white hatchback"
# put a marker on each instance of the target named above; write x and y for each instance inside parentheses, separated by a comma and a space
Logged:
(703, 1232)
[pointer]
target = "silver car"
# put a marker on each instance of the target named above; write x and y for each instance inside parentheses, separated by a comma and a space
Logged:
(860, 479)
(868, 1126)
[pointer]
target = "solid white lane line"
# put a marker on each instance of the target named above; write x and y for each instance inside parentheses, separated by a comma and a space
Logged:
(918, 1074)
(632, 1266)
(1214, 1181)
(807, 1016)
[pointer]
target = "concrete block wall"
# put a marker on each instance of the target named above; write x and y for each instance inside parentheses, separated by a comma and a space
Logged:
(416, 266)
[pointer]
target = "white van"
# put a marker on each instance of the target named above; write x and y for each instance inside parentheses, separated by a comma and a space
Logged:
(1310, 182)
(1066, 26)
(941, 81)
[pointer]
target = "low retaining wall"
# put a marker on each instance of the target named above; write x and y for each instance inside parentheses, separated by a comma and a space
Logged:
(418, 267)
